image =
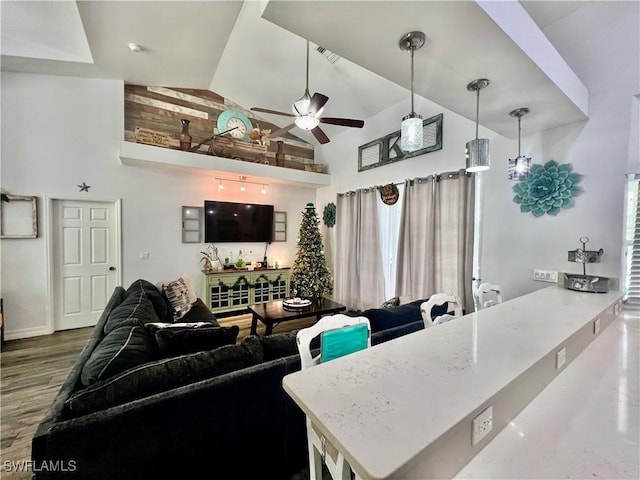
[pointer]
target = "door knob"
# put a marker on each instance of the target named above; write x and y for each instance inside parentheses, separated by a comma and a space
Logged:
(112, 269)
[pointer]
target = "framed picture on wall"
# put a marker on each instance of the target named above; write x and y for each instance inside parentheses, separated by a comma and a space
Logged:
(386, 150)
(279, 226)
(18, 216)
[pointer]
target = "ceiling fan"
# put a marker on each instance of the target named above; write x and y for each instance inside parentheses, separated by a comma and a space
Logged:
(307, 112)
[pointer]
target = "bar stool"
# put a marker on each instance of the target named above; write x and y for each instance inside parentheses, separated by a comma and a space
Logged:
(438, 299)
(488, 295)
(340, 335)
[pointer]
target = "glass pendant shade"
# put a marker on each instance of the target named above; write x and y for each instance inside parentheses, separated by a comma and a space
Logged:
(519, 167)
(477, 150)
(411, 133)
(477, 155)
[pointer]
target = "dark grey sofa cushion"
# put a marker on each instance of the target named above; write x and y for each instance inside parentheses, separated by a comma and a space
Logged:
(135, 309)
(156, 297)
(279, 345)
(159, 376)
(122, 348)
(198, 313)
(181, 341)
(390, 317)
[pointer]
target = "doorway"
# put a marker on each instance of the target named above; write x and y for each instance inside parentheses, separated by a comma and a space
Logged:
(84, 252)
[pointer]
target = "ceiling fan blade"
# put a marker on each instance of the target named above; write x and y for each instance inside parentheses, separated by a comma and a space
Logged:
(344, 122)
(282, 131)
(320, 135)
(317, 102)
(275, 112)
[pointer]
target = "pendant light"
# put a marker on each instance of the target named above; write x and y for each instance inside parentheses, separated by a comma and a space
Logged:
(477, 151)
(519, 167)
(411, 126)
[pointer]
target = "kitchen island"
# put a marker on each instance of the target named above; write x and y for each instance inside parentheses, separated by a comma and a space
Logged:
(405, 408)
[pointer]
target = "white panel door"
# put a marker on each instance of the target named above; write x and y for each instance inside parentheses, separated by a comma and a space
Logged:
(84, 257)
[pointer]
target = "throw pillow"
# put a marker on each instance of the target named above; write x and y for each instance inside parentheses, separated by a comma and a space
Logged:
(122, 348)
(173, 341)
(180, 294)
(392, 302)
(159, 376)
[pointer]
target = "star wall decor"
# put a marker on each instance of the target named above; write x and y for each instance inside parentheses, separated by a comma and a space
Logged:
(84, 187)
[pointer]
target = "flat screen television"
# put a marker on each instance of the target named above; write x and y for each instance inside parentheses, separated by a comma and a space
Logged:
(237, 222)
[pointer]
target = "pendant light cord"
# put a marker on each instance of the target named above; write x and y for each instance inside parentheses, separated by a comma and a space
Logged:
(477, 111)
(307, 85)
(519, 136)
(412, 50)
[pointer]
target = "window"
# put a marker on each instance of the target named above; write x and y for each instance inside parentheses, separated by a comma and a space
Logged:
(389, 219)
(631, 244)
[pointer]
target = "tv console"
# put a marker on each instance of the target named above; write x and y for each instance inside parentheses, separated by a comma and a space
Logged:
(229, 290)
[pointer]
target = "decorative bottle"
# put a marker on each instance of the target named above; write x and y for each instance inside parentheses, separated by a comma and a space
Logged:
(185, 136)
(279, 154)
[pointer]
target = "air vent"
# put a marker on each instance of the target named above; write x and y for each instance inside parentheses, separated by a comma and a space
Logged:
(328, 54)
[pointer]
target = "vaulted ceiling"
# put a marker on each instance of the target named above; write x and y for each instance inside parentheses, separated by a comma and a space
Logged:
(253, 52)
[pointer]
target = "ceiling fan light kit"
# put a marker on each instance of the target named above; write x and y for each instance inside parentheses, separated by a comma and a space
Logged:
(307, 113)
(519, 167)
(411, 126)
(477, 150)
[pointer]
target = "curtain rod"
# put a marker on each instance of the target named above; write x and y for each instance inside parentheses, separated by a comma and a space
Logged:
(438, 177)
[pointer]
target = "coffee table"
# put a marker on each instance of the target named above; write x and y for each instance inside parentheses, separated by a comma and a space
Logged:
(274, 312)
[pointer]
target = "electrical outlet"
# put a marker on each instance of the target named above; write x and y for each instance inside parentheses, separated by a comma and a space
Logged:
(561, 357)
(617, 307)
(144, 255)
(481, 425)
(545, 276)
(596, 326)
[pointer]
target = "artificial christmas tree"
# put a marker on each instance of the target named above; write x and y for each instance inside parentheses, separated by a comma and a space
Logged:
(310, 275)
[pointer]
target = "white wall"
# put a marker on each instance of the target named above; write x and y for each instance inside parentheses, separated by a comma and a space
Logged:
(601, 149)
(58, 132)
(341, 154)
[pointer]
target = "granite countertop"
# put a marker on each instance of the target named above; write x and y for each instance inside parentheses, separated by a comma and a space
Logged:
(384, 405)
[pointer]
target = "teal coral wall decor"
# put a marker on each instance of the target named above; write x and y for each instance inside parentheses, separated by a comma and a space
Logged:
(547, 189)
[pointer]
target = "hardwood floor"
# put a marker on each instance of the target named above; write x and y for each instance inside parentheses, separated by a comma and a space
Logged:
(32, 371)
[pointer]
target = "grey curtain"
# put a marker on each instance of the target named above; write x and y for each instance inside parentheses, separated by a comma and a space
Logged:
(359, 278)
(435, 245)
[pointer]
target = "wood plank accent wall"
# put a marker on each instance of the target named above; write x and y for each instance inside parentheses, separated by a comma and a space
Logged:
(160, 109)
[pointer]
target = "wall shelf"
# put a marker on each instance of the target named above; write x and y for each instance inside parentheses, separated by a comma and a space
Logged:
(141, 155)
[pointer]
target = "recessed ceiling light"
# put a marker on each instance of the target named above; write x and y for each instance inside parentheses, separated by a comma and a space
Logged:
(134, 47)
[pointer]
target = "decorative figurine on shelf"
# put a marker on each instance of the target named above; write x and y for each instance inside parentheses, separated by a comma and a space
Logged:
(261, 137)
(584, 282)
(210, 256)
(185, 136)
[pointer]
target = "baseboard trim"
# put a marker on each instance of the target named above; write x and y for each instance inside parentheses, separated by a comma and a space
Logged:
(26, 333)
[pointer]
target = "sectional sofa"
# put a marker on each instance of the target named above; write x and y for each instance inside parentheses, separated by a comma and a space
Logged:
(133, 408)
